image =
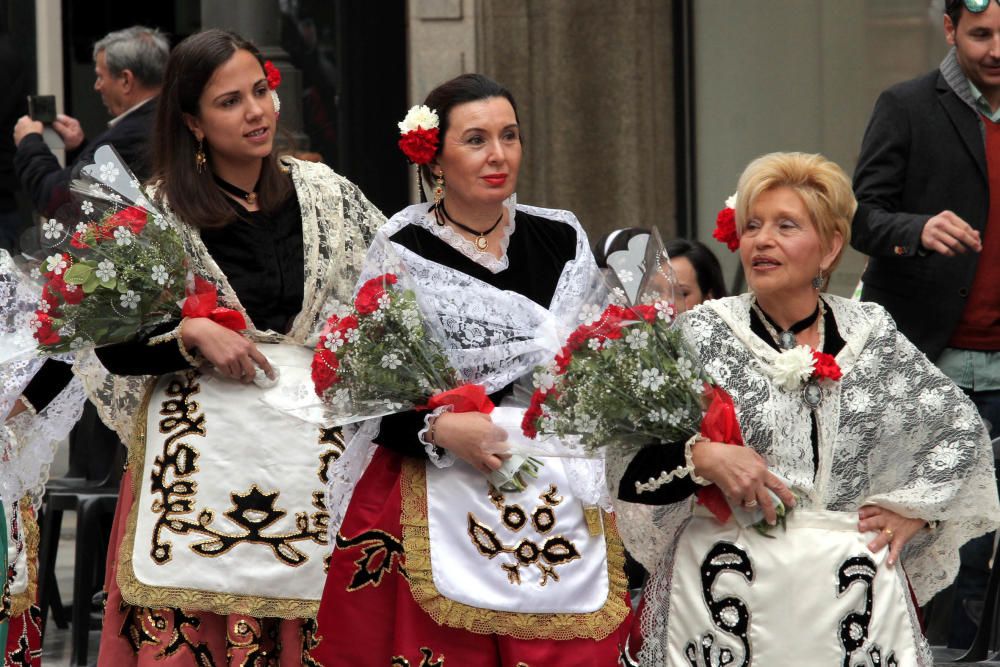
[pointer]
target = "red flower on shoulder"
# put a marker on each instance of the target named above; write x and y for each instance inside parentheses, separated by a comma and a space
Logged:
(725, 229)
(825, 366)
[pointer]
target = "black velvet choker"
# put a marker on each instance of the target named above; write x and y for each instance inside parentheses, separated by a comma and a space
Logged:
(482, 243)
(785, 339)
(248, 197)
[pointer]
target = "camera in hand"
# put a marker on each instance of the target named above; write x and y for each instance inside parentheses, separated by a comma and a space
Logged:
(42, 108)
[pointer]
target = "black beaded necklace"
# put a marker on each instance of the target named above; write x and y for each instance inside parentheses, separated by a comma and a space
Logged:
(481, 242)
(248, 197)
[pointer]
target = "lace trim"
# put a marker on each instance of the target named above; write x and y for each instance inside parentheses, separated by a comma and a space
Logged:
(439, 456)
(21, 602)
(139, 594)
(416, 544)
(484, 259)
(665, 477)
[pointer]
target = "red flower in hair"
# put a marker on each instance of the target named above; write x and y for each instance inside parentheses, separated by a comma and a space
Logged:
(725, 229)
(273, 75)
(419, 145)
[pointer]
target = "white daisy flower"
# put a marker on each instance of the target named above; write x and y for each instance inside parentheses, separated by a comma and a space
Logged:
(129, 300)
(391, 361)
(637, 339)
(56, 264)
(81, 228)
(665, 310)
(43, 306)
(342, 396)
(123, 236)
(595, 343)
(543, 380)
(108, 172)
(52, 229)
(333, 341)
(160, 221)
(589, 313)
(351, 335)
(87, 207)
(651, 378)
(159, 274)
(105, 270)
(685, 367)
(625, 276)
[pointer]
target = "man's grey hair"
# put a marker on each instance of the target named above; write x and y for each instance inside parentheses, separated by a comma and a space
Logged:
(143, 51)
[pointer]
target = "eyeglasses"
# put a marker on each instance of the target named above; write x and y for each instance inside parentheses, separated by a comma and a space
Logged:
(974, 6)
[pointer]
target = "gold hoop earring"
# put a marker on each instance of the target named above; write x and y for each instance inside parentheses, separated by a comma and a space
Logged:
(200, 159)
(438, 187)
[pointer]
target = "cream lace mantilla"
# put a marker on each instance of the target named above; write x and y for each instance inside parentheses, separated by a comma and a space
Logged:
(337, 225)
(894, 432)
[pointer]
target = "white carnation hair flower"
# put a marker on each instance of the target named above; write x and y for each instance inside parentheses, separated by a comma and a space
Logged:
(419, 116)
(731, 201)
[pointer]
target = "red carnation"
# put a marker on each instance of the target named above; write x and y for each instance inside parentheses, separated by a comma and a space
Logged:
(643, 312)
(132, 217)
(529, 424)
(72, 294)
(45, 334)
(366, 302)
(324, 370)
(419, 145)
(273, 75)
(725, 229)
(825, 366)
(349, 322)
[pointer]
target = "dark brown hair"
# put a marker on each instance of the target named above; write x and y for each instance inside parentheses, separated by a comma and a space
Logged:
(193, 196)
(461, 89)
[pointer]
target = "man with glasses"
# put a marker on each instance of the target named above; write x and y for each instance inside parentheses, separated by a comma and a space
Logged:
(928, 190)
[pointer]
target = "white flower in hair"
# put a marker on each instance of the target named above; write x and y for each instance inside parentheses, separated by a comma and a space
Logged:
(793, 367)
(731, 201)
(419, 116)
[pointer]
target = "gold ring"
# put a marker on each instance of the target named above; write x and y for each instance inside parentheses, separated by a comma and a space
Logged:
(888, 532)
(750, 503)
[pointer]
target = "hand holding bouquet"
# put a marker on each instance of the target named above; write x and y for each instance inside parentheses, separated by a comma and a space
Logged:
(383, 357)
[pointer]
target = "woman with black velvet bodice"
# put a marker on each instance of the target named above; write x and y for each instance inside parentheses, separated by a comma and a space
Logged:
(432, 560)
(219, 539)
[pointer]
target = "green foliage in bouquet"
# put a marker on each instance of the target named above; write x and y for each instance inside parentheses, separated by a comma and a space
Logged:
(121, 274)
(380, 358)
(625, 378)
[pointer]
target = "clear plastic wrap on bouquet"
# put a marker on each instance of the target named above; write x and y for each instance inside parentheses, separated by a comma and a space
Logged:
(625, 376)
(107, 266)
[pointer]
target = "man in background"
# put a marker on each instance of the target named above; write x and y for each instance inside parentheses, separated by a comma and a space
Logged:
(129, 66)
(928, 190)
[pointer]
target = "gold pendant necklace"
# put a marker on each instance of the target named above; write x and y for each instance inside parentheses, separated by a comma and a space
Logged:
(481, 242)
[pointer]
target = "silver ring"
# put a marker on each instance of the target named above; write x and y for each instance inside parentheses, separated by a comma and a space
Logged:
(750, 503)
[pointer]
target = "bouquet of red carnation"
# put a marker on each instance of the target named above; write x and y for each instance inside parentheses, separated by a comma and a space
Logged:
(384, 357)
(626, 378)
(111, 266)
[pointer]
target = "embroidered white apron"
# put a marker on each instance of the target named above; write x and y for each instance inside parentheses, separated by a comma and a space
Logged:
(811, 595)
(229, 514)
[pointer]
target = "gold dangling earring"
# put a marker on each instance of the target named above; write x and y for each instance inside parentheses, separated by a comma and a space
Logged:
(438, 188)
(200, 160)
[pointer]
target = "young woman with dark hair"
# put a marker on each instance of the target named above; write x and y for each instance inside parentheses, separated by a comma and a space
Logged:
(220, 538)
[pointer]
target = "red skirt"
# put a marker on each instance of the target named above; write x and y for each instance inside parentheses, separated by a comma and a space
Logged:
(369, 616)
(186, 638)
(24, 640)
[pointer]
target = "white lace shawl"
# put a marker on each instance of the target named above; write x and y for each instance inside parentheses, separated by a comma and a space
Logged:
(28, 441)
(492, 337)
(338, 222)
(893, 432)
